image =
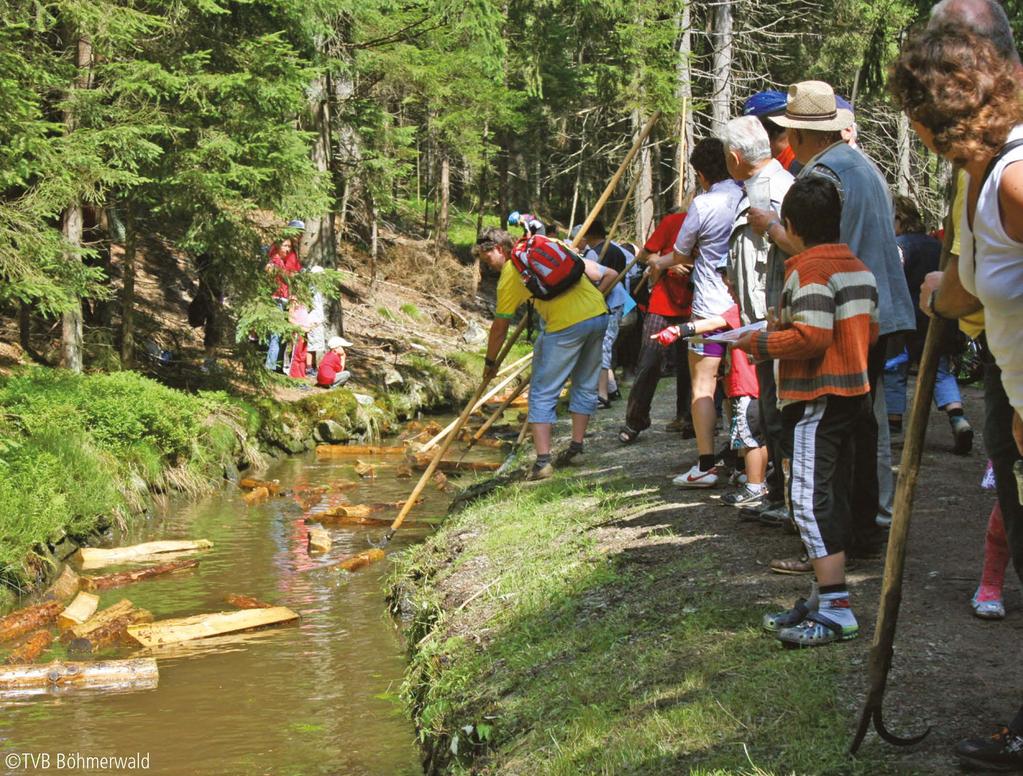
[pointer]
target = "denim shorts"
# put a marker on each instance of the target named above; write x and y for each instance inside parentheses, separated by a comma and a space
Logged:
(614, 322)
(573, 353)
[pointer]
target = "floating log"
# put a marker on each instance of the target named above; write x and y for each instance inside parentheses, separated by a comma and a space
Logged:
(335, 518)
(246, 601)
(29, 619)
(78, 611)
(66, 585)
(97, 620)
(354, 451)
(422, 461)
(112, 631)
(273, 487)
(202, 626)
(440, 480)
(130, 577)
(364, 469)
(319, 540)
(362, 559)
(403, 472)
(95, 557)
(31, 648)
(257, 496)
(103, 673)
(343, 485)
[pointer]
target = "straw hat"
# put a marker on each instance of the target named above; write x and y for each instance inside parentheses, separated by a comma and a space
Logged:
(812, 105)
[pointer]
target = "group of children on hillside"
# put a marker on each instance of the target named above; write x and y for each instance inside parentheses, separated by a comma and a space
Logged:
(309, 353)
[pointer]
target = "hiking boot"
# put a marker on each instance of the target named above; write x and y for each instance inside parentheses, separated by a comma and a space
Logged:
(775, 621)
(546, 471)
(992, 609)
(565, 456)
(680, 425)
(962, 435)
(743, 497)
(1002, 752)
(816, 631)
(697, 478)
(615, 395)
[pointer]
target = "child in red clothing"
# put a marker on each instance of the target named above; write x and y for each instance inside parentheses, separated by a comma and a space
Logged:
(332, 372)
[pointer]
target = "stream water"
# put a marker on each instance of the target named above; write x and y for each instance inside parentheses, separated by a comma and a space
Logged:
(317, 697)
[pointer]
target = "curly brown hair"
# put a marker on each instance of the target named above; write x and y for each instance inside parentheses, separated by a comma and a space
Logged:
(957, 85)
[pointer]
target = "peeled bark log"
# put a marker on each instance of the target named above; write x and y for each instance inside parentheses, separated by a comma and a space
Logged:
(273, 487)
(28, 619)
(66, 586)
(246, 601)
(103, 673)
(257, 496)
(97, 620)
(352, 451)
(95, 557)
(422, 461)
(31, 649)
(338, 518)
(203, 626)
(366, 470)
(78, 611)
(319, 540)
(358, 561)
(130, 577)
(114, 630)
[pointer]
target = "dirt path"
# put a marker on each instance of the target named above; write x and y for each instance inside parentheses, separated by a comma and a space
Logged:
(951, 670)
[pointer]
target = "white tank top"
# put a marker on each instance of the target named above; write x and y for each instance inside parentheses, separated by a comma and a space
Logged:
(995, 276)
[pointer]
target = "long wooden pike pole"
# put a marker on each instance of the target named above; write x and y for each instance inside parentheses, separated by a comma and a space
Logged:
(881, 651)
(497, 413)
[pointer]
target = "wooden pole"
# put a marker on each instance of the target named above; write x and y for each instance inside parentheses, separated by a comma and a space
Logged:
(881, 651)
(498, 413)
(609, 189)
(618, 219)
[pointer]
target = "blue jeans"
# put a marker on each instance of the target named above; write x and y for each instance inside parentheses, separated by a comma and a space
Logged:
(614, 323)
(574, 353)
(946, 389)
(274, 348)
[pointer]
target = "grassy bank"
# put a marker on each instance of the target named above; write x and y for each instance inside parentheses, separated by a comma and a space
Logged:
(557, 629)
(79, 453)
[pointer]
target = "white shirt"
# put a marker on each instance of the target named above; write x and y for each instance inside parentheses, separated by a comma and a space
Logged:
(996, 277)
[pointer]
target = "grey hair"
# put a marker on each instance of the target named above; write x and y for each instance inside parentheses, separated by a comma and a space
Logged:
(985, 17)
(747, 137)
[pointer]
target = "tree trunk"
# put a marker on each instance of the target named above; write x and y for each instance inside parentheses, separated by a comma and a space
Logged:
(721, 67)
(128, 299)
(502, 183)
(443, 200)
(319, 241)
(684, 92)
(72, 335)
(904, 172)
(25, 326)
(374, 246)
(643, 201)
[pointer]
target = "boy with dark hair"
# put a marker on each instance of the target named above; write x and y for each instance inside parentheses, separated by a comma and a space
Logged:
(827, 323)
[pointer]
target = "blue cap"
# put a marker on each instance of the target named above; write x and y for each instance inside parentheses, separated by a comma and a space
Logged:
(842, 102)
(296, 223)
(765, 103)
(513, 217)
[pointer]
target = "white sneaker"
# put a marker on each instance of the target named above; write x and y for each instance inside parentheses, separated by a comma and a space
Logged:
(696, 478)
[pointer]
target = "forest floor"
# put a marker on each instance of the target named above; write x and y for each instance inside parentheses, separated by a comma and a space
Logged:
(608, 622)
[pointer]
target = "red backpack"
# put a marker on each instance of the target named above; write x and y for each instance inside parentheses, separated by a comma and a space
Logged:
(548, 267)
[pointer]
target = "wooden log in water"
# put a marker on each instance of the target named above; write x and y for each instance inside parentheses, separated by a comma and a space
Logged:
(95, 557)
(422, 461)
(112, 631)
(343, 485)
(273, 487)
(66, 585)
(257, 496)
(358, 561)
(319, 540)
(365, 470)
(31, 648)
(130, 577)
(246, 601)
(354, 451)
(29, 619)
(78, 611)
(97, 620)
(202, 626)
(337, 518)
(103, 673)
(440, 481)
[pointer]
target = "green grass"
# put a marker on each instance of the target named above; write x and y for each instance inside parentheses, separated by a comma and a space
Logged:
(574, 660)
(411, 311)
(461, 227)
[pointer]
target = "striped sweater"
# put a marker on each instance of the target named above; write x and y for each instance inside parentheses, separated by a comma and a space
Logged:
(827, 322)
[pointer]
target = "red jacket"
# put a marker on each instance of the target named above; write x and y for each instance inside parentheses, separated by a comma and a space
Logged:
(331, 364)
(288, 265)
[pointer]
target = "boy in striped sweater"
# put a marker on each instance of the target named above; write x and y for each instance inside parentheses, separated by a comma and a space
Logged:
(827, 322)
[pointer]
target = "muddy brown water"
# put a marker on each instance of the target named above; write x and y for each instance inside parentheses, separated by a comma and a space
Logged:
(318, 697)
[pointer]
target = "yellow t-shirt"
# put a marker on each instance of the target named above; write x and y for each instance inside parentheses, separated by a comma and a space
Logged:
(580, 303)
(973, 324)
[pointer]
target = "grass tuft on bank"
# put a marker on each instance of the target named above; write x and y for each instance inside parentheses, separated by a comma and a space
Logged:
(538, 645)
